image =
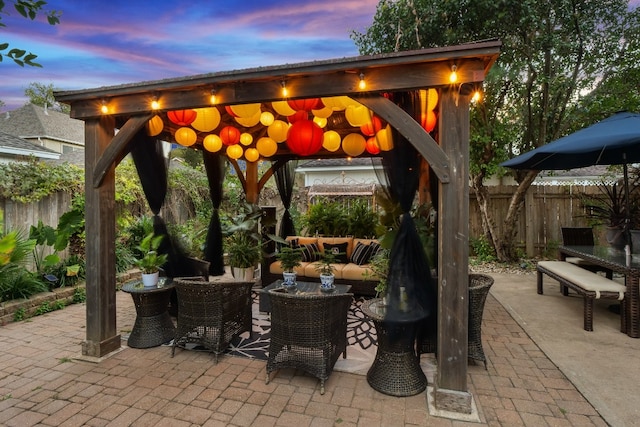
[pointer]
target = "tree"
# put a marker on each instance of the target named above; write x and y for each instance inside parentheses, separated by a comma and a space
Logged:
(28, 9)
(559, 63)
(41, 94)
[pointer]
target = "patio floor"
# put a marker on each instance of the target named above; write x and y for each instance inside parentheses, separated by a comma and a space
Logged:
(43, 381)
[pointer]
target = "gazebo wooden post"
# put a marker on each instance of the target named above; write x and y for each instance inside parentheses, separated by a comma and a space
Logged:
(252, 192)
(100, 248)
(451, 390)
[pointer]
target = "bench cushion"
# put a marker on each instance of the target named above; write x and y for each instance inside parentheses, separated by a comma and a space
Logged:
(585, 279)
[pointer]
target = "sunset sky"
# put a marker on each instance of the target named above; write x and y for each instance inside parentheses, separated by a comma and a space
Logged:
(100, 43)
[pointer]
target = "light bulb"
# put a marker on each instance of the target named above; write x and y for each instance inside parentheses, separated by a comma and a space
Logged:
(362, 84)
(453, 77)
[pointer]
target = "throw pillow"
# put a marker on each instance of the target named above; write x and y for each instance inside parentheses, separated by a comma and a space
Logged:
(310, 252)
(361, 254)
(294, 243)
(339, 250)
(375, 248)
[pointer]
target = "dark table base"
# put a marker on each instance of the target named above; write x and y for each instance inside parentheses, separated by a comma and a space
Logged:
(396, 368)
(152, 331)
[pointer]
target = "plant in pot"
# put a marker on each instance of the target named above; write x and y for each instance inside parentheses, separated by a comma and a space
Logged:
(610, 209)
(325, 267)
(244, 255)
(242, 242)
(151, 261)
(380, 266)
(289, 258)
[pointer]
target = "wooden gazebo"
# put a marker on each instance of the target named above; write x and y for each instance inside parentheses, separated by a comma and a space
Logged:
(128, 109)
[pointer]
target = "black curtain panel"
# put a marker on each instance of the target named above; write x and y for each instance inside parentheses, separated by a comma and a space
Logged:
(213, 250)
(152, 166)
(285, 180)
(410, 285)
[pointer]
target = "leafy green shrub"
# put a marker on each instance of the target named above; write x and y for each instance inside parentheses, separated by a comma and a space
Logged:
(69, 271)
(361, 219)
(482, 249)
(19, 314)
(15, 281)
(79, 295)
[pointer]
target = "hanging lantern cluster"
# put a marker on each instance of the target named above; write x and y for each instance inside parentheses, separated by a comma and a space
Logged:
(299, 123)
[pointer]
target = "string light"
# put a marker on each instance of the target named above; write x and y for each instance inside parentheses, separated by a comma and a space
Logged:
(285, 91)
(213, 99)
(104, 109)
(453, 77)
(362, 85)
(155, 105)
(476, 96)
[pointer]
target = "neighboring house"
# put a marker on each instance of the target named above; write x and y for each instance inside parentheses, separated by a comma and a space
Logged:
(13, 148)
(44, 127)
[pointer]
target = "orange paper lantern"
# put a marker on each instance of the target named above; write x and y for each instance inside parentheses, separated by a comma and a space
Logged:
(331, 140)
(207, 119)
(267, 147)
(305, 138)
(186, 136)
(212, 143)
(251, 155)
(182, 117)
(372, 146)
(428, 121)
(282, 108)
(155, 126)
(234, 151)
(384, 138)
(278, 131)
(245, 110)
(353, 144)
(371, 127)
(357, 115)
(229, 135)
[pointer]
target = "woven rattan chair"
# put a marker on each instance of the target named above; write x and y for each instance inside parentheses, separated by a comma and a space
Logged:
(308, 332)
(582, 236)
(211, 314)
(479, 285)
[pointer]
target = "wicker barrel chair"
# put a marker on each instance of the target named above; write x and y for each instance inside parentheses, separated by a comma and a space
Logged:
(308, 332)
(211, 314)
(479, 285)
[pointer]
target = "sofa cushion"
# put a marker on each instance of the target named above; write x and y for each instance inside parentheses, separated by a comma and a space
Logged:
(302, 240)
(310, 252)
(361, 253)
(336, 240)
(353, 271)
(339, 250)
(276, 268)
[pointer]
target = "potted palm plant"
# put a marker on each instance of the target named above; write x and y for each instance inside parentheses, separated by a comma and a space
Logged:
(289, 258)
(151, 261)
(242, 243)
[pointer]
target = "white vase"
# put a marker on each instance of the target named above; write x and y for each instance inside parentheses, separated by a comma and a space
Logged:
(288, 278)
(150, 279)
(326, 281)
(242, 274)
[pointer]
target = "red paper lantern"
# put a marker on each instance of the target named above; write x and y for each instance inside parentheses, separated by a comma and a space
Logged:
(182, 117)
(372, 146)
(307, 104)
(305, 137)
(230, 135)
(299, 115)
(370, 128)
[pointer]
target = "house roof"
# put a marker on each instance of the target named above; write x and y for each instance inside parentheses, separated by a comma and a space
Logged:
(32, 121)
(14, 146)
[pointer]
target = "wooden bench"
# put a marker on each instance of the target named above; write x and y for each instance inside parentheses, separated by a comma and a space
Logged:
(589, 285)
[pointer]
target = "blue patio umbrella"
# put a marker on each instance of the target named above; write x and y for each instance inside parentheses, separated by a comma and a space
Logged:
(612, 141)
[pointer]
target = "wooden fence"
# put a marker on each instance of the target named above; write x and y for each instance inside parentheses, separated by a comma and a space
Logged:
(546, 210)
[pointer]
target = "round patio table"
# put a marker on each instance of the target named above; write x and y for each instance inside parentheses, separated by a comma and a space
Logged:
(153, 325)
(396, 368)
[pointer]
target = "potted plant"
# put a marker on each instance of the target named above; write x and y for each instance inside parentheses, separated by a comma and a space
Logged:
(380, 267)
(610, 209)
(243, 242)
(289, 258)
(325, 267)
(244, 255)
(151, 260)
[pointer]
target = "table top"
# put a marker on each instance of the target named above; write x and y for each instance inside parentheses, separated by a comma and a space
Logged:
(606, 256)
(377, 311)
(136, 287)
(308, 288)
